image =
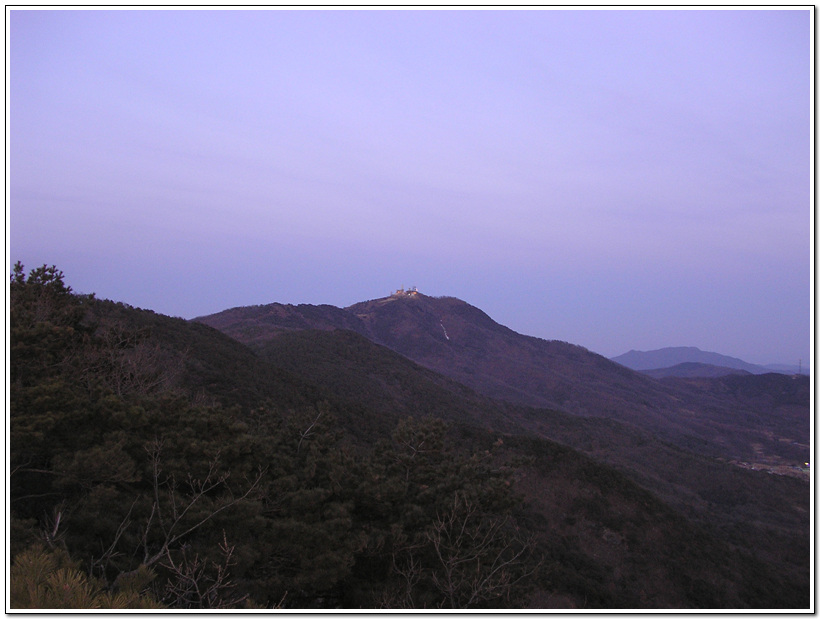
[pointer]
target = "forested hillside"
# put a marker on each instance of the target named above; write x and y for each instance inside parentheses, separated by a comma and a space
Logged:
(455, 339)
(155, 462)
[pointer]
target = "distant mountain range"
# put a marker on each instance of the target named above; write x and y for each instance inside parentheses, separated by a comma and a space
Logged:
(669, 358)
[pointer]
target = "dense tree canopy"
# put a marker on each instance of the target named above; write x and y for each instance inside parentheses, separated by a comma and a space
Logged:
(115, 466)
(155, 462)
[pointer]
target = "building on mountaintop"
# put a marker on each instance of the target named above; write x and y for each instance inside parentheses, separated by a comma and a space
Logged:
(412, 291)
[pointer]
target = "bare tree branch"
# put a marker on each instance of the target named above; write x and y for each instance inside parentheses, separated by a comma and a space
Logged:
(199, 583)
(102, 563)
(171, 525)
(308, 432)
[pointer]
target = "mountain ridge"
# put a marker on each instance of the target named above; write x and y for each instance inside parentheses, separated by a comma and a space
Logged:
(693, 369)
(452, 337)
(329, 420)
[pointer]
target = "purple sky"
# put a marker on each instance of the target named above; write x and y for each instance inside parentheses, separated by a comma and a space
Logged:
(615, 179)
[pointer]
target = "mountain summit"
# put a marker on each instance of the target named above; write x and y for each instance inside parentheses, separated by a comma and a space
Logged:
(458, 340)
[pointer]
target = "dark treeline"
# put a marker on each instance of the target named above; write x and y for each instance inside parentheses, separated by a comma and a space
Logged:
(155, 462)
(124, 484)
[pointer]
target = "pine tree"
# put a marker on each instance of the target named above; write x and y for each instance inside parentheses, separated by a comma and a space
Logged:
(43, 579)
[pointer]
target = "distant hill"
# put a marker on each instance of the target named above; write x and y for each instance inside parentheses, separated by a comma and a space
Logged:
(786, 368)
(458, 340)
(692, 370)
(257, 323)
(671, 356)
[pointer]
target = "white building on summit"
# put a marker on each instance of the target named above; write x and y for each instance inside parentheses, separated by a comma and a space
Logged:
(409, 292)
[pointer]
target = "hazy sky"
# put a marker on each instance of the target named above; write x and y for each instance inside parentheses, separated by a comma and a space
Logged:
(615, 179)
